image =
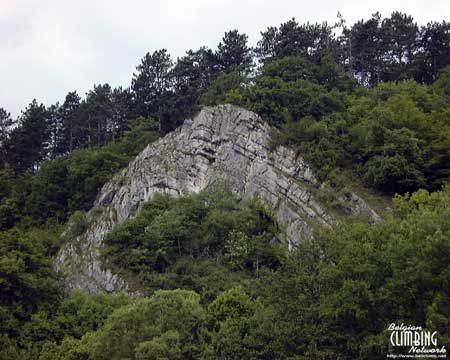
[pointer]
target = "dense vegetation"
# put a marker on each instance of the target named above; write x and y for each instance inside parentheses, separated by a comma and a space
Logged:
(68, 183)
(330, 88)
(355, 280)
(206, 242)
(369, 102)
(395, 136)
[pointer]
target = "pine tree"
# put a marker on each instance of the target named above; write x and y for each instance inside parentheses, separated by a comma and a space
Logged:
(401, 41)
(6, 123)
(233, 52)
(72, 132)
(122, 111)
(151, 84)
(31, 139)
(435, 45)
(192, 76)
(98, 114)
(366, 49)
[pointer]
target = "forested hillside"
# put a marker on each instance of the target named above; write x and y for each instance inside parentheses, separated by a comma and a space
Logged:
(366, 105)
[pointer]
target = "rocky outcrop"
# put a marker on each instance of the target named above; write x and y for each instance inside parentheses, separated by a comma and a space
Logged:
(223, 142)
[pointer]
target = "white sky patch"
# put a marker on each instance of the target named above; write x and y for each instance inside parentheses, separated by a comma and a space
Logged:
(51, 47)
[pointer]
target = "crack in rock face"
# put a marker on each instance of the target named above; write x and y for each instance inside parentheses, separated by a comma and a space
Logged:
(223, 142)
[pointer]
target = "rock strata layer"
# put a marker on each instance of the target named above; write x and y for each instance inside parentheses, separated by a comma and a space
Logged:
(221, 143)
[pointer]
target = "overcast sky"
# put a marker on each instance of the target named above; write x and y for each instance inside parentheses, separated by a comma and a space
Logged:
(51, 47)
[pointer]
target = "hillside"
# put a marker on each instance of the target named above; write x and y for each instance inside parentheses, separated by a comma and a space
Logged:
(223, 143)
(289, 200)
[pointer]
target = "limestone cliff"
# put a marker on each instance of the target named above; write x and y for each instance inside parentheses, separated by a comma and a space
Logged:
(223, 142)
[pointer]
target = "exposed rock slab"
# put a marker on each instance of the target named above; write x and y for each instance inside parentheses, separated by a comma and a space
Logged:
(223, 142)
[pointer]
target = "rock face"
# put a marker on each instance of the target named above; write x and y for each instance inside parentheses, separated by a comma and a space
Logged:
(223, 142)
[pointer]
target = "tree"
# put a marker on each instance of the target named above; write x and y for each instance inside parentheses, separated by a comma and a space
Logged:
(227, 88)
(364, 39)
(98, 112)
(5, 125)
(29, 142)
(401, 40)
(122, 111)
(28, 282)
(289, 89)
(192, 75)
(442, 84)
(73, 134)
(235, 326)
(152, 83)
(435, 52)
(233, 53)
(56, 130)
(149, 326)
(6, 122)
(292, 39)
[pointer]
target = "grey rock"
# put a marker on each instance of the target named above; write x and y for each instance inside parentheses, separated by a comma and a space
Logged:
(356, 206)
(223, 142)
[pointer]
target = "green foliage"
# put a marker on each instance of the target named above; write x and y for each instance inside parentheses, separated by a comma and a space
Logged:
(166, 324)
(29, 140)
(67, 184)
(166, 346)
(28, 283)
(233, 322)
(233, 53)
(80, 313)
(150, 83)
(170, 235)
(56, 321)
(291, 88)
(141, 132)
(399, 125)
(76, 225)
(221, 285)
(13, 196)
(26, 270)
(31, 311)
(331, 297)
(360, 278)
(226, 89)
(442, 84)
(394, 136)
